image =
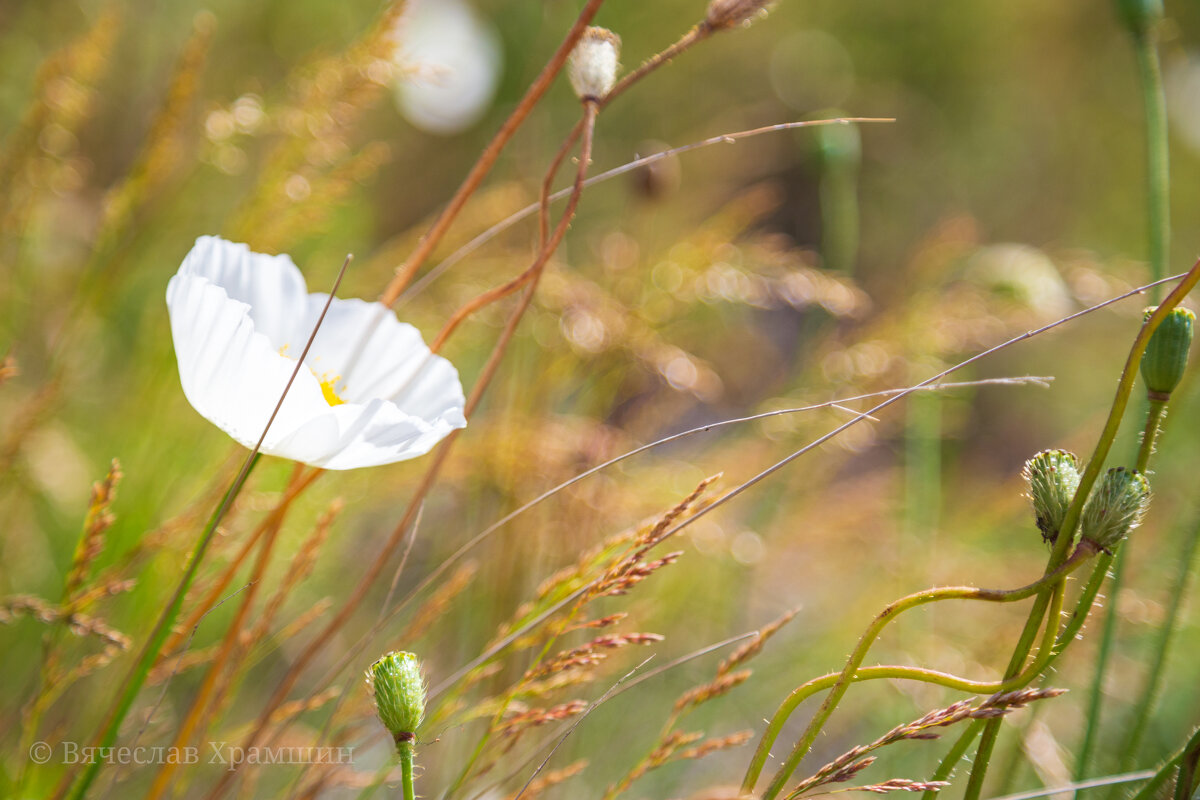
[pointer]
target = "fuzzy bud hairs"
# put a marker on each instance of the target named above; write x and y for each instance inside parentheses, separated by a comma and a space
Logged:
(399, 691)
(1052, 476)
(1116, 507)
(592, 67)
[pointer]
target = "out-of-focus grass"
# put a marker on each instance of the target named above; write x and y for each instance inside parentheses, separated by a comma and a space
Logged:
(1016, 122)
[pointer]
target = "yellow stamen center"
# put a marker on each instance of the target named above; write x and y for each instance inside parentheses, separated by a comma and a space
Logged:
(327, 383)
(331, 395)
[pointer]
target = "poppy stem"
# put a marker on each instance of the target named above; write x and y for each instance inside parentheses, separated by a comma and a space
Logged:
(150, 652)
(149, 655)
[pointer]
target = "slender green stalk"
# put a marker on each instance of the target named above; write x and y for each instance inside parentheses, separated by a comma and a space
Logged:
(1084, 604)
(1154, 417)
(853, 670)
(1159, 233)
(1091, 732)
(957, 753)
(1149, 697)
(1189, 765)
(162, 629)
(150, 652)
(1154, 107)
(1066, 533)
(405, 750)
(923, 466)
(1190, 748)
(841, 155)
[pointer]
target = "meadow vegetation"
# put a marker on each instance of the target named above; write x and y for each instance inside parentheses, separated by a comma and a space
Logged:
(809, 441)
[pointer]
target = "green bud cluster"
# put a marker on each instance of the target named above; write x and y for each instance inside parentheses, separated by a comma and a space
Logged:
(399, 690)
(1052, 476)
(1166, 354)
(1115, 508)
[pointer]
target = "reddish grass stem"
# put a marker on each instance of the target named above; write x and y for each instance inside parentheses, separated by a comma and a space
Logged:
(352, 603)
(136, 677)
(487, 158)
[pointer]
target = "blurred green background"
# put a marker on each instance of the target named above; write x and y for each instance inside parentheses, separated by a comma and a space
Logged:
(789, 268)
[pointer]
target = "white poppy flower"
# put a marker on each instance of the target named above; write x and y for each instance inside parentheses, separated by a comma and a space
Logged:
(372, 392)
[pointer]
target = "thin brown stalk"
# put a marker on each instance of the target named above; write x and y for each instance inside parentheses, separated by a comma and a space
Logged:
(487, 159)
(298, 570)
(195, 716)
(727, 138)
(553, 778)
(295, 487)
(697, 34)
(360, 591)
(548, 245)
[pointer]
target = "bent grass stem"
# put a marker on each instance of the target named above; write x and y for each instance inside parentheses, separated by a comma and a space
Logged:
(853, 671)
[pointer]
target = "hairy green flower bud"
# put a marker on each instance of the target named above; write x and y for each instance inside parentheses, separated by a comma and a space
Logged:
(399, 691)
(1166, 354)
(1139, 16)
(1052, 477)
(1115, 508)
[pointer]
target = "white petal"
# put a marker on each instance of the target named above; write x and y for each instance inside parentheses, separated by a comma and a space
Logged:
(374, 355)
(230, 373)
(231, 312)
(271, 285)
(353, 435)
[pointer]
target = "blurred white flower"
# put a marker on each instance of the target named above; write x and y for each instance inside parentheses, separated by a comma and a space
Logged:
(372, 392)
(450, 64)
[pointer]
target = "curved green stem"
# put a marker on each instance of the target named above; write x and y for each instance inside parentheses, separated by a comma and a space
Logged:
(1066, 533)
(1159, 233)
(853, 670)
